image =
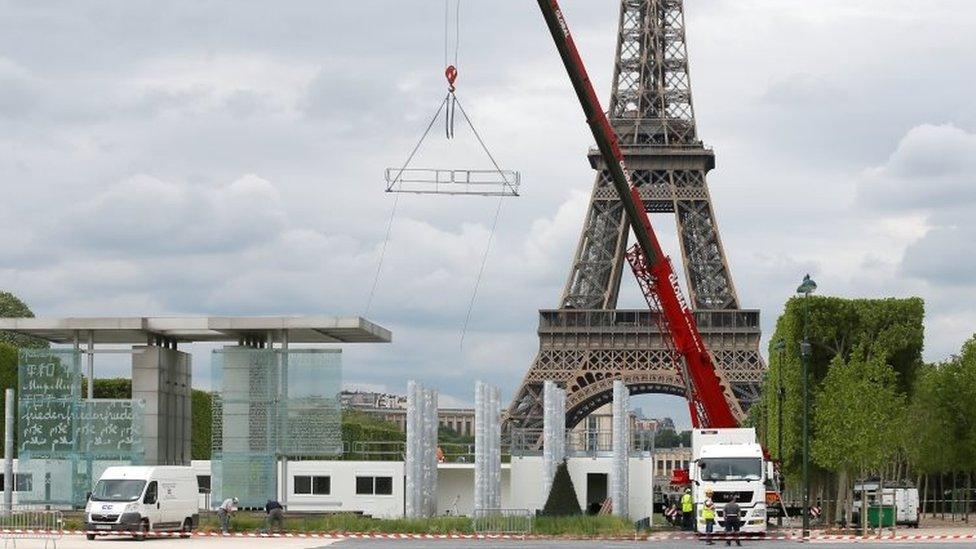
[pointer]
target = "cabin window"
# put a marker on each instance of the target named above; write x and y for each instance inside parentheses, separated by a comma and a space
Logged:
(368, 486)
(313, 485)
(303, 485)
(203, 484)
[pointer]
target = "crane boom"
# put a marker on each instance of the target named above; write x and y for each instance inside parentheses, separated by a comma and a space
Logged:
(708, 401)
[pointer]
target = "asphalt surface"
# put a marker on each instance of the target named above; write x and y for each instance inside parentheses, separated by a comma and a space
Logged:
(676, 544)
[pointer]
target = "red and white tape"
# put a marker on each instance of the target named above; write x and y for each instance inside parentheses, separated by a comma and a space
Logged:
(403, 536)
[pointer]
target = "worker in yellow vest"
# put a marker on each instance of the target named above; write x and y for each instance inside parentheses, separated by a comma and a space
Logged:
(708, 517)
(687, 510)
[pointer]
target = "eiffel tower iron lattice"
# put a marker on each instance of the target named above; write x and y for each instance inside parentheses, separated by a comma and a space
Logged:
(587, 342)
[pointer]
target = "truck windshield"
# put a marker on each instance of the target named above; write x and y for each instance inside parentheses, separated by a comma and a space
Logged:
(713, 469)
(118, 490)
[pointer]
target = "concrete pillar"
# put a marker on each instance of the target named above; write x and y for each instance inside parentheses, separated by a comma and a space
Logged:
(162, 378)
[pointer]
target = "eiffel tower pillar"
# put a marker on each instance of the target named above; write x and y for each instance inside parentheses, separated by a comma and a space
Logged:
(587, 342)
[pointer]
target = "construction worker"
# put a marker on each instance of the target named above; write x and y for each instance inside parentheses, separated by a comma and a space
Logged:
(275, 516)
(708, 515)
(226, 509)
(687, 510)
(732, 520)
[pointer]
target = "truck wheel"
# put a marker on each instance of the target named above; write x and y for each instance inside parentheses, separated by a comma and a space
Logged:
(90, 537)
(187, 528)
(140, 535)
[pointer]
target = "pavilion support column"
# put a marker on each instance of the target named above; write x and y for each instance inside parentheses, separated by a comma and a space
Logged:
(162, 377)
(283, 396)
(91, 364)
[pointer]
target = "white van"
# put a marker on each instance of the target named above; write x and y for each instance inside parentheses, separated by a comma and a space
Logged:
(140, 500)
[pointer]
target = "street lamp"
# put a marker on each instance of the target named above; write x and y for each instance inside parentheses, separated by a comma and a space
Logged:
(780, 395)
(807, 287)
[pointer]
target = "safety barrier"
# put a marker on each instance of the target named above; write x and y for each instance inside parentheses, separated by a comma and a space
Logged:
(24, 522)
(503, 521)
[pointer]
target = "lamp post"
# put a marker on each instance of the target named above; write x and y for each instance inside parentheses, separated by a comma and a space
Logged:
(806, 288)
(780, 395)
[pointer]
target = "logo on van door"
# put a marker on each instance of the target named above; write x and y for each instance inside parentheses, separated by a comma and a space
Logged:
(169, 490)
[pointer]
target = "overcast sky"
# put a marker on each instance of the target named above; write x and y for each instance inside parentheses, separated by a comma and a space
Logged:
(227, 157)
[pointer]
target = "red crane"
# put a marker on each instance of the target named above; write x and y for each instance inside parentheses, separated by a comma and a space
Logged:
(711, 404)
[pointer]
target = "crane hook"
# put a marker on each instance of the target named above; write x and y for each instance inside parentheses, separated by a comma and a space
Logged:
(451, 73)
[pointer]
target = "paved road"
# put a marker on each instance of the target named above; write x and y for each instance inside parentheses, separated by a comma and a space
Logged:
(677, 544)
(79, 542)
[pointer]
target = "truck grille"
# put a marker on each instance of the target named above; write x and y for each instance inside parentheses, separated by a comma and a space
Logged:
(95, 517)
(725, 497)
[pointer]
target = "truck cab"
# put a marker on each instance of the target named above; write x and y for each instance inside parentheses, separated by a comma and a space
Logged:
(727, 463)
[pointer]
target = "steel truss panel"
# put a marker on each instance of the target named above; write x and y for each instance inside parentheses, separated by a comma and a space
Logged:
(452, 182)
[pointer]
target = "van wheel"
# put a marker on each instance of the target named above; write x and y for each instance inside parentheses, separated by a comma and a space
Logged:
(143, 531)
(90, 537)
(187, 528)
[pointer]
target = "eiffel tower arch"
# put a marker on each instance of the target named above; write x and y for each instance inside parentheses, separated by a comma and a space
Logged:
(587, 342)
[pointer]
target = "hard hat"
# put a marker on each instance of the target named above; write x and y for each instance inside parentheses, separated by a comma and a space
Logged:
(687, 490)
(235, 500)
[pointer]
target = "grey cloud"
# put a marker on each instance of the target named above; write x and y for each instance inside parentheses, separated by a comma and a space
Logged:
(146, 215)
(944, 256)
(933, 167)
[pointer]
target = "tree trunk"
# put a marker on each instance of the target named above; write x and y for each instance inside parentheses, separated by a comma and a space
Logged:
(952, 498)
(849, 501)
(864, 507)
(838, 510)
(923, 484)
(879, 502)
(969, 489)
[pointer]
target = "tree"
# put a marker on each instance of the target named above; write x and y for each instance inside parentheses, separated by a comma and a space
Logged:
(858, 413)
(562, 500)
(12, 307)
(890, 329)
(8, 377)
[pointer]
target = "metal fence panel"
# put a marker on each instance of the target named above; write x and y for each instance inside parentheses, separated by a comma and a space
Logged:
(25, 522)
(503, 521)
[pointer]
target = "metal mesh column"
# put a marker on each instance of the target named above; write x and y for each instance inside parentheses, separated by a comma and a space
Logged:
(487, 448)
(421, 459)
(553, 433)
(620, 473)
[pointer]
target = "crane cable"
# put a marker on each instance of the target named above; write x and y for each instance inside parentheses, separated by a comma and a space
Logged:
(491, 233)
(396, 200)
(451, 74)
(451, 70)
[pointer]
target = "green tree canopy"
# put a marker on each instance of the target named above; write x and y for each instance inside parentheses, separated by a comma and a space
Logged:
(886, 330)
(858, 413)
(941, 436)
(12, 307)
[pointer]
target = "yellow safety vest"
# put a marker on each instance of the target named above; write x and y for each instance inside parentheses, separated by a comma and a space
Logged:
(708, 513)
(686, 504)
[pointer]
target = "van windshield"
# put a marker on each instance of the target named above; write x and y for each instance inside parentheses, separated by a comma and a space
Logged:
(717, 469)
(118, 490)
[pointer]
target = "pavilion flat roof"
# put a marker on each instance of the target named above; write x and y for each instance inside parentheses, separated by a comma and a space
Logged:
(138, 330)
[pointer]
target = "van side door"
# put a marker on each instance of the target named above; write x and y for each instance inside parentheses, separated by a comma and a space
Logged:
(150, 504)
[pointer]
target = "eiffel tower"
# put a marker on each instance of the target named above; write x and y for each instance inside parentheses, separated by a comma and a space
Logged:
(587, 342)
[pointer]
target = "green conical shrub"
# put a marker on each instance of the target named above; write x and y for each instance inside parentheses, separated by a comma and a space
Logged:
(562, 500)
